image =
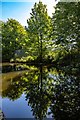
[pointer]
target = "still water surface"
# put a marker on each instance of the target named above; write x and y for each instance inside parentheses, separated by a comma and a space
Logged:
(40, 92)
(14, 102)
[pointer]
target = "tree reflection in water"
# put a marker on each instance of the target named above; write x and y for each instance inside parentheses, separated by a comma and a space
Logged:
(48, 87)
(66, 102)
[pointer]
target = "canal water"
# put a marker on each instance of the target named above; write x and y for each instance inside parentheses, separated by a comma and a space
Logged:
(40, 92)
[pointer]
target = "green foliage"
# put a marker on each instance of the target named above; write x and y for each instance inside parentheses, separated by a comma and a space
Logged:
(13, 38)
(66, 22)
(44, 86)
(39, 30)
(66, 35)
(48, 87)
(44, 38)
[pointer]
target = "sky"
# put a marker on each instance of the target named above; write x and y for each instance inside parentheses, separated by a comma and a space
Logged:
(21, 9)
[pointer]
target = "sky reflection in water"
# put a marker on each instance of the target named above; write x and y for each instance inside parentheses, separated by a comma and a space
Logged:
(42, 92)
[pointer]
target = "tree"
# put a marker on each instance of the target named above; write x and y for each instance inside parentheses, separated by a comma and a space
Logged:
(66, 22)
(66, 35)
(13, 38)
(39, 28)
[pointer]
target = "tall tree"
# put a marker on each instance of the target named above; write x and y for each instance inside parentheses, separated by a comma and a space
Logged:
(39, 28)
(66, 35)
(13, 38)
(66, 21)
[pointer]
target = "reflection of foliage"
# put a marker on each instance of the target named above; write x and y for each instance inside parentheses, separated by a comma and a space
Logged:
(54, 88)
(57, 87)
(65, 103)
(66, 91)
(15, 89)
(38, 101)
